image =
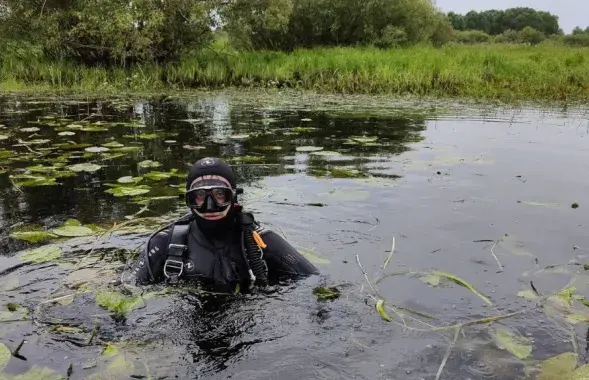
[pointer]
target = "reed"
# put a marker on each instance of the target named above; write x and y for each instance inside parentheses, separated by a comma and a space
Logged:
(500, 71)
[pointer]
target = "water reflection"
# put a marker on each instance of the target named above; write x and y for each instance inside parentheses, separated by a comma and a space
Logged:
(258, 142)
(338, 180)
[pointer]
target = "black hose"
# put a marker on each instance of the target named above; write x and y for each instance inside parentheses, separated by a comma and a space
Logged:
(254, 258)
(253, 254)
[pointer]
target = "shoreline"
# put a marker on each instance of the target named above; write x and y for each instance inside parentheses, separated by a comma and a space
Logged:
(502, 73)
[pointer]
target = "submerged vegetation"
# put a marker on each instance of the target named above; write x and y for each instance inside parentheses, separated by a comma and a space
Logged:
(378, 46)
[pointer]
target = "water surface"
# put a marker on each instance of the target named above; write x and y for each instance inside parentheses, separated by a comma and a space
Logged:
(340, 177)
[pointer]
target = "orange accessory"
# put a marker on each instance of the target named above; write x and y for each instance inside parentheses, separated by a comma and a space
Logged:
(259, 240)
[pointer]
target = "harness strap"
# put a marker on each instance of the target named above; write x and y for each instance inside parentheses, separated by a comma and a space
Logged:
(174, 266)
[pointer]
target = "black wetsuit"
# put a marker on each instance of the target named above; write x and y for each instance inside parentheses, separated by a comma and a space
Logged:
(218, 263)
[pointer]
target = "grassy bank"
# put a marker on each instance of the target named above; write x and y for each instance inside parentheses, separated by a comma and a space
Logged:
(501, 71)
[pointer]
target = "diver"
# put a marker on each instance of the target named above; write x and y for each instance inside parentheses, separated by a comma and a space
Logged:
(217, 244)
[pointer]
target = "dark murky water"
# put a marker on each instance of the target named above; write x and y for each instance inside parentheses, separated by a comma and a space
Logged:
(339, 177)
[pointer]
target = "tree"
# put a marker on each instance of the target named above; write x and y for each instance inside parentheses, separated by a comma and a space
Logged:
(495, 22)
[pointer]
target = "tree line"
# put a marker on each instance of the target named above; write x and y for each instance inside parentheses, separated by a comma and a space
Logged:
(123, 32)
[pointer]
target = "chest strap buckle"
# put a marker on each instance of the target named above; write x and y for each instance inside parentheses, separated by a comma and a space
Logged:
(174, 266)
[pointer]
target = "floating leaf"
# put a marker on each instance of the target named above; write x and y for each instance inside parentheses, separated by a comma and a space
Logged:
(191, 147)
(129, 179)
(66, 133)
(93, 128)
(269, 148)
(113, 144)
(32, 236)
(96, 149)
(558, 367)
(326, 293)
(308, 148)
(128, 191)
(158, 176)
(364, 139)
(243, 136)
(303, 129)
(431, 279)
(33, 181)
(5, 355)
(170, 141)
(3, 137)
(381, 310)
(311, 256)
(306, 119)
(462, 282)
(512, 341)
(42, 254)
(29, 129)
(527, 294)
(38, 142)
(148, 164)
(73, 231)
(575, 318)
(144, 201)
(117, 303)
(129, 149)
(86, 167)
(326, 153)
(37, 373)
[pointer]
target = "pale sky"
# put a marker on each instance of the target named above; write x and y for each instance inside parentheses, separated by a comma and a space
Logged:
(570, 13)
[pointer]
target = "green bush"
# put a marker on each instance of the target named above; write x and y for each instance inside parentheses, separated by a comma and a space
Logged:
(471, 37)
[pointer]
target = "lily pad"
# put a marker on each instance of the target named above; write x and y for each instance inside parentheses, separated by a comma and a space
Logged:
(128, 191)
(558, 367)
(5, 355)
(26, 180)
(42, 254)
(149, 164)
(364, 139)
(311, 256)
(269, 148)
(32, 235)
(66, 133)
(129, 149)
(129, 179)
(243, 136)
(326, 293)
(36, 373)
(326, 153)
(85, 167)
(3, 137)
(157, 176)
(527, 294)
(93, 128)
(192, 147)
(29, 129)
(73, 231)
(96, 149)
(113, 144)
(512, 341)
(308, 148)
(118, 303)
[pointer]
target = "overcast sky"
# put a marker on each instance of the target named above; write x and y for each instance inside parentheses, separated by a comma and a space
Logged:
(570, 13)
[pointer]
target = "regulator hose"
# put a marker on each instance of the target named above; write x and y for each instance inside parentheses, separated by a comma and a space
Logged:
(253, 254)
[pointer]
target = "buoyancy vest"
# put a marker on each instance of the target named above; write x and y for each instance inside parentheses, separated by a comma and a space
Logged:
(222, 264)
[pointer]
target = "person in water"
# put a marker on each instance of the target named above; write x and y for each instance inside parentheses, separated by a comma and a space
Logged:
(217, 244)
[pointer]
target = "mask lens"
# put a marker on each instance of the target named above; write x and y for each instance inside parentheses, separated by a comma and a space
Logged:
(221, 196)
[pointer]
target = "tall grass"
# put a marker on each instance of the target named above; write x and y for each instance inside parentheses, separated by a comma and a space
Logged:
(546, 71)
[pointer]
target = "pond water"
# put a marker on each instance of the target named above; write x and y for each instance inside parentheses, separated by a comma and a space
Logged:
(482, 193)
